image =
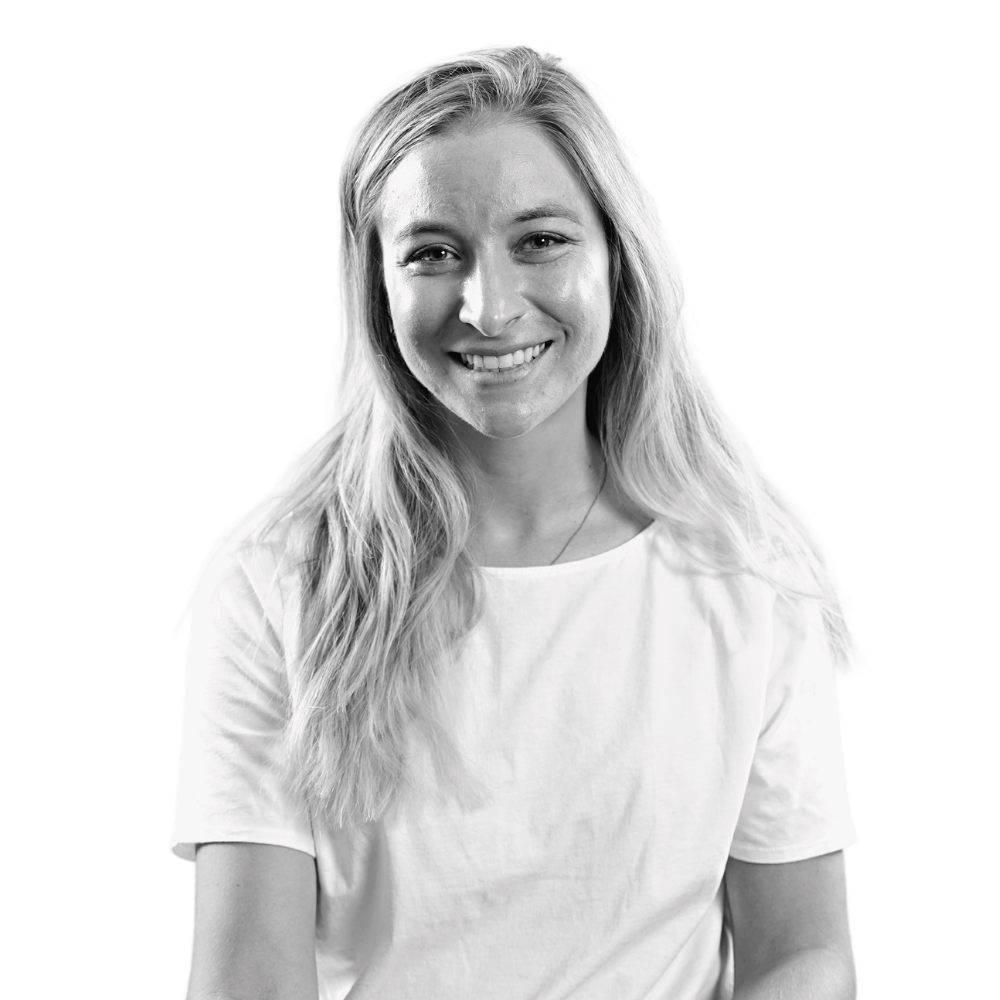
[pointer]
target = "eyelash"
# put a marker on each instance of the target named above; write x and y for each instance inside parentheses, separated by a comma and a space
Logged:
(557, 240)
(417, 255)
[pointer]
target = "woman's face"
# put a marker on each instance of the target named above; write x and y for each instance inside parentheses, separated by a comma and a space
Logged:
(496, 268)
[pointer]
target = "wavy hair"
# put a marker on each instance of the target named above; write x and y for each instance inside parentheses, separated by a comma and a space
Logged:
(380, 518)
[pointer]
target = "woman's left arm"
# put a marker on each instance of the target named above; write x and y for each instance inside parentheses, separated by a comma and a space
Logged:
(790, 935)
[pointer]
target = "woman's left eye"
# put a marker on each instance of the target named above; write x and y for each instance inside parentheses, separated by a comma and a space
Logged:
(542, 241)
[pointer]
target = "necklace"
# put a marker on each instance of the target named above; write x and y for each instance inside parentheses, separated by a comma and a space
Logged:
(585, 516)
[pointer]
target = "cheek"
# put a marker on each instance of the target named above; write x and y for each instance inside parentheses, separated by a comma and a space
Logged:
(585, 298)
(601, 288)
(418, 310)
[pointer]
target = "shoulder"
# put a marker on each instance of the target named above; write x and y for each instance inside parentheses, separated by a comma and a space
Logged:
(779, 600)
(688, 579)
(249, 580)
(245, 627)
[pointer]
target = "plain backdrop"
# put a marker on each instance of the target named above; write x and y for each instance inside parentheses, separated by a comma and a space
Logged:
(827, 179)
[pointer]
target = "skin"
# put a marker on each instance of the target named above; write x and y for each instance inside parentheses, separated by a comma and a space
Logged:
(489, 244)
(255, 924)
(483, 279)
(790, 930)
(473, 278)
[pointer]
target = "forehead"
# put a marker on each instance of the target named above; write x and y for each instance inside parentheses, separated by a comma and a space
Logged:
(480, 177)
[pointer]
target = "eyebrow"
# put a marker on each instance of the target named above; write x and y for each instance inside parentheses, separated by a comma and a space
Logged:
(551, 211)
(420, 227)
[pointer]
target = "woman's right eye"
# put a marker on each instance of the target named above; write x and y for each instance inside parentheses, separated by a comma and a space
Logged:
(436, 254)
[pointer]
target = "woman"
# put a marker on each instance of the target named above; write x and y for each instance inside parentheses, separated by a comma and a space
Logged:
(526, 688)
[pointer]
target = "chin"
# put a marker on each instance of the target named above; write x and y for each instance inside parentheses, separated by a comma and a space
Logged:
(502, 427)
(504, 431)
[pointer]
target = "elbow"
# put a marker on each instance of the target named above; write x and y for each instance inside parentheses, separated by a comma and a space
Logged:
(816, 973)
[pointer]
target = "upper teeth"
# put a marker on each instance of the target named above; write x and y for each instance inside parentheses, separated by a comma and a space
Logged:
(494, 363)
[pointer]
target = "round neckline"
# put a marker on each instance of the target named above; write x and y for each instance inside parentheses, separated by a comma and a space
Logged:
(574, 565)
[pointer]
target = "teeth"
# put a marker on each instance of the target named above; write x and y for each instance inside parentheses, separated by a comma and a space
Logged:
(490, 362)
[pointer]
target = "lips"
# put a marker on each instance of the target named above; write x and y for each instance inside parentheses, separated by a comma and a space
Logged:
(503, 362)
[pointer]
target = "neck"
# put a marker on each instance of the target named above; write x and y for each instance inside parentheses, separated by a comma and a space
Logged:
(530, 493)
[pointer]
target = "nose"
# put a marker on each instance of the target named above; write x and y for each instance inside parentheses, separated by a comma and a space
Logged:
(490, 297)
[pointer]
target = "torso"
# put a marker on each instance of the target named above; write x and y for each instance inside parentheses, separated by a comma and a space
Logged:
(609, 709)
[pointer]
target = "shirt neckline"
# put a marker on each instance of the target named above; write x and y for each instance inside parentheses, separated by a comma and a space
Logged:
(575, 565)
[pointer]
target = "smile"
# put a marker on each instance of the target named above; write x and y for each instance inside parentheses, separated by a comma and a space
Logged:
(501, 362)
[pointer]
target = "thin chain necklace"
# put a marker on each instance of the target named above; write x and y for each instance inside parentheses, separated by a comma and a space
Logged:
(585, 516)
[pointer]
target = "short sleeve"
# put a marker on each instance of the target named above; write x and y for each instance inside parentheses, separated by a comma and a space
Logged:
(795, 805)
(230, 786)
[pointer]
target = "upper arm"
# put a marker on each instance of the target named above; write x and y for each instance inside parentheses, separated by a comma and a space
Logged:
(255, 923)
(778, 911)
(795, 802)
(232, 783)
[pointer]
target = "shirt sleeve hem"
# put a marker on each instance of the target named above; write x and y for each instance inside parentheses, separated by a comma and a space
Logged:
(183, 845)
(793, 852)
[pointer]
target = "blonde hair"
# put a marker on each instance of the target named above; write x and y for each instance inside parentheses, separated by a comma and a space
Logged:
(380, 519)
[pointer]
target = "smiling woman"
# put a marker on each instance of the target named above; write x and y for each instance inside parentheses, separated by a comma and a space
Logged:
(526, 688)
(511, 258)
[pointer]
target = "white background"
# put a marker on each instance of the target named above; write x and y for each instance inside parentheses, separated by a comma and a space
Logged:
(827, 177)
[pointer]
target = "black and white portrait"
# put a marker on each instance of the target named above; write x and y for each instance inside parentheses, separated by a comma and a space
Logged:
(501, 499)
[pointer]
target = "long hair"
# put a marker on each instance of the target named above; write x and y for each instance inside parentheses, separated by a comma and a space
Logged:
(380, 519)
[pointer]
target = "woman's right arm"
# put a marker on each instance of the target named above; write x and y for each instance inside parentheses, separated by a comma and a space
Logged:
(255, 924)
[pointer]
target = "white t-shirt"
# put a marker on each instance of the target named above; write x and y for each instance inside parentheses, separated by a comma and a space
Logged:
(636, 723)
